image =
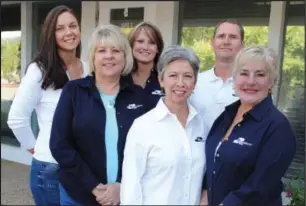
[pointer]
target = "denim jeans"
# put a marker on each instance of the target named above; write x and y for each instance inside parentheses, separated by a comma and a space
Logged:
(65, 199)
(44, 182)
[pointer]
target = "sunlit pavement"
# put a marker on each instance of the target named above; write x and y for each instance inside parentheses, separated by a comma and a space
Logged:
(15, 181)
(14, 184)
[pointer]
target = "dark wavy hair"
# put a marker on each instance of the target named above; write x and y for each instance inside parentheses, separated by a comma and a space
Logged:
(48, 60)
(154, 34)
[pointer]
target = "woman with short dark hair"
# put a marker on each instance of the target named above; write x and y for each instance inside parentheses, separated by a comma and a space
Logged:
(164, 157)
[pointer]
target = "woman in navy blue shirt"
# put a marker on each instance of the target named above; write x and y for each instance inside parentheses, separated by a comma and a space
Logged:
(147, 45)
(251, 144)
(91, 122)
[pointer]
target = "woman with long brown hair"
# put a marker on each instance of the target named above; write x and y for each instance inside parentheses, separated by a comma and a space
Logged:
(56, 62)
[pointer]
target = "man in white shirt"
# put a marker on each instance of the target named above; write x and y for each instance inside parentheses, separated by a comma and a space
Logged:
(214, 88)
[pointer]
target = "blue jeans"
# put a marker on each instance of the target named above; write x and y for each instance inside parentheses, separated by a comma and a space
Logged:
(65, 199)
(44, 182)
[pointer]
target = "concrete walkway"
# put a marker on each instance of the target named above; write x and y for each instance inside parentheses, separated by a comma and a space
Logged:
(15, 181)
(15, 184)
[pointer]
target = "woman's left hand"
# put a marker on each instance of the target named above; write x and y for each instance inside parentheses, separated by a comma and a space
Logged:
(111, 195)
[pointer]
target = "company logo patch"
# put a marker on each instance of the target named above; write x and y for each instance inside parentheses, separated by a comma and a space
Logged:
(241, 141)
(134, 106)
(157, 92)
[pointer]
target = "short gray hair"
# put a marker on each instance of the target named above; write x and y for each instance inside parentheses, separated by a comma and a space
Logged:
(176, 52)
(267, 55)
(112, 35)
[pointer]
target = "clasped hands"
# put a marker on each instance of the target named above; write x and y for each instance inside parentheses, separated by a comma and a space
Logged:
(108, 194)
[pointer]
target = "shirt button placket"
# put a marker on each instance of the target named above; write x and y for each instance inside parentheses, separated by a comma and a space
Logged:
(187, 181)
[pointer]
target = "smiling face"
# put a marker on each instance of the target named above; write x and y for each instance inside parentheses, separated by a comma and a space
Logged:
(67, 32)
(178, 81)
(108, 60)
(227, 41)
(144, 47)
(252, 82)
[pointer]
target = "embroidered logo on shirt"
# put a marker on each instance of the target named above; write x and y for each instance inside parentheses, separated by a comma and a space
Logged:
(199, 139)
(134, 106)
(157, 92)
(241, 141)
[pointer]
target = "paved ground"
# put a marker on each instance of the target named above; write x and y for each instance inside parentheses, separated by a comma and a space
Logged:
(15, 181)
(14, 184)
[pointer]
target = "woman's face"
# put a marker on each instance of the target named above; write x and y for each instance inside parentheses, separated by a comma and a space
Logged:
(144, 49)
(109, 61)
(67, 32)
(252, 82)
(178, 82)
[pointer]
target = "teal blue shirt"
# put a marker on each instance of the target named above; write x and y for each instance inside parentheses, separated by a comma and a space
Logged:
(111, 137)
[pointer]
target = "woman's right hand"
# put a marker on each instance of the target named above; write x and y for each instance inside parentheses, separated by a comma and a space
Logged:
(107, 194)
(31, 150)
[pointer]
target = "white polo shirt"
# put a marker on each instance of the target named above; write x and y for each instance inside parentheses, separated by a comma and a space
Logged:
(212, 95)
(163, 162)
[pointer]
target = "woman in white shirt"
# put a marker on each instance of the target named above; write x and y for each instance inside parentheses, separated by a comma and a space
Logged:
(164, 157)
(56, 62)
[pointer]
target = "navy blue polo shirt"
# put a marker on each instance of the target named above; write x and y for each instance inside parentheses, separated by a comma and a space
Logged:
(152, 86)
(248, 167)
(78, 134)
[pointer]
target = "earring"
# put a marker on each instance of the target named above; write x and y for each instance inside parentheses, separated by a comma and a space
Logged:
(163, 90)
(235, 92)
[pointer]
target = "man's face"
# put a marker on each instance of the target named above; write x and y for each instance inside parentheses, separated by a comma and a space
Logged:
(227, 42)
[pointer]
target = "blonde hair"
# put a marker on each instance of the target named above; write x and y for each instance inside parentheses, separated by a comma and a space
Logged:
(110, 35)
(267, 55)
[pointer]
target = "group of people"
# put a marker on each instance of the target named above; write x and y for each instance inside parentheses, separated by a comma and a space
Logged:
(139, 124)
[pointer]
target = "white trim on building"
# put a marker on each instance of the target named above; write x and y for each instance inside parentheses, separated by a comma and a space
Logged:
(277, 30)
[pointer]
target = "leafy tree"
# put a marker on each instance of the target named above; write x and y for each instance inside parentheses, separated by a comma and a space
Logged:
(10, 60)
(126, 30)
(293, 76)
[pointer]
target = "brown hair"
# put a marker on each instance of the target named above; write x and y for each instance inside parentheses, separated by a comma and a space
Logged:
(51, 65)
(153, 33)
(231, 21)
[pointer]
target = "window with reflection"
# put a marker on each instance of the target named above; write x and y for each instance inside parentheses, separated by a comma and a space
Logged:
(10, 65)
(291, 100)
(198, 19)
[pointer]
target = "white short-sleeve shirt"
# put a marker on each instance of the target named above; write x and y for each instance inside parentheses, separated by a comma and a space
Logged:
(212, 95)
